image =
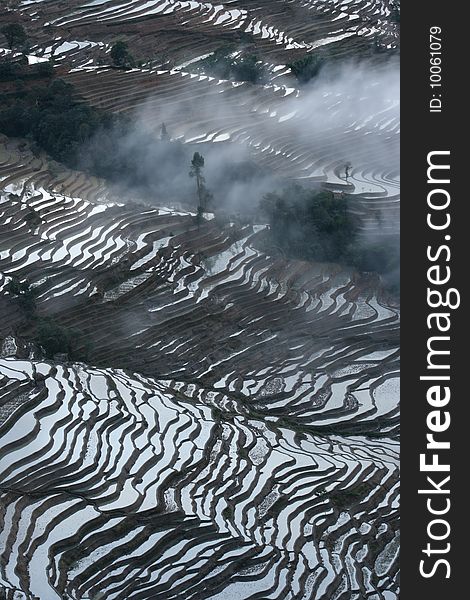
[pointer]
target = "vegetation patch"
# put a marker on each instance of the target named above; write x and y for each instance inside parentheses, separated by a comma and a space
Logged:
(318, 225)
(47, 332)
(346, 499)
(228, 63)
(310, 224)
(307, 67)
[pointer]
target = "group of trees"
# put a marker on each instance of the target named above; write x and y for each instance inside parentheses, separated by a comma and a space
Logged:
(228, 63)
(55, 339)
(52, 118)
(318, 225)
(307, 67)
(121, 56)
(310, 224)
(49, 335)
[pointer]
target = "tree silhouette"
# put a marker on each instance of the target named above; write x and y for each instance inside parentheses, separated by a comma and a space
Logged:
(197, 164)
(164, 135)
(203, 194)
(15, 34)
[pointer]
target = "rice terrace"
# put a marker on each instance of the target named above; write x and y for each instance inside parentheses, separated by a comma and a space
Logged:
(199, 296)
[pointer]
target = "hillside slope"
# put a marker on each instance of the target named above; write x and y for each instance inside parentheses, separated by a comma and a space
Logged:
(185, 414)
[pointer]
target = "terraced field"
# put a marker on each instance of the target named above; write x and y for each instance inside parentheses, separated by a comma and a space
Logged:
(228, 428)
(131, 491)
(356, 123)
